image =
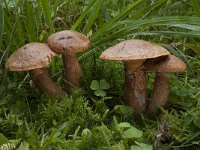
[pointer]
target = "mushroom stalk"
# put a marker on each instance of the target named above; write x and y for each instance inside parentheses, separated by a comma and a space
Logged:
(160, 91)
(135, 86)
(44, 83)
(73, 72)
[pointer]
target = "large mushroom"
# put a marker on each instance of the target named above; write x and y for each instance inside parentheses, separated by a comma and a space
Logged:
(34, 57)
(133, 53)
(163, 67)
(69, 43)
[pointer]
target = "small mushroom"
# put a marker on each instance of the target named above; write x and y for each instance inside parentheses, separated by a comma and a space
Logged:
(69, 43)
(133, 53)
(34, 57)
(163, 67)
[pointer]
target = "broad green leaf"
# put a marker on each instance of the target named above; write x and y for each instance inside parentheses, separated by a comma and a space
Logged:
(132, 132)
(103, 84)
(100, 92)
(3, 139)
(123, 110)
(94, 85)
(124, 125)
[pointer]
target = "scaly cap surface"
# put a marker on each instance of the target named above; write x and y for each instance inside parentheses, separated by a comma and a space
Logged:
(133, 50)
(68, 41)
(30, 56)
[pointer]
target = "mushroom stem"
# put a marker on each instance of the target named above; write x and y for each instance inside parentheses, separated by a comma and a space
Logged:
(160, 91)
(135, 87)
(44, 83)
(73, 72)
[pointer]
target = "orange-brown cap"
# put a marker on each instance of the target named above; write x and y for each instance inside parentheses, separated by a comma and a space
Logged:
(30, 56)
(68, 41)
(133, 50)
(170, 63)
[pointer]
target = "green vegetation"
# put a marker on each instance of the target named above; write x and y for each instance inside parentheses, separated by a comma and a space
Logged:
(95, 117)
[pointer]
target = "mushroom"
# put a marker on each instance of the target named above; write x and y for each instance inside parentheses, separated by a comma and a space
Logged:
(163, 67)
(133, 53)
(34, 57)
(69, 43)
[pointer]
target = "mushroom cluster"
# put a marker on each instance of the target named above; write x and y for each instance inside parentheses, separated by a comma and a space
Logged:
(139, 57)
(33, 57)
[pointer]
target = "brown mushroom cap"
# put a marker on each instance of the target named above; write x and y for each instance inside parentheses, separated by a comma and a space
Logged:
(133, 50)
(68, 41)
(170, 63)
(30, 56)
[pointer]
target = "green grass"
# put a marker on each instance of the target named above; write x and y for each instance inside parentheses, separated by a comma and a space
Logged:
(32, 120)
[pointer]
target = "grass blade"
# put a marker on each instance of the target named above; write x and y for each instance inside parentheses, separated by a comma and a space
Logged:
(170, 33)
(46, 11)
(129, 27)
(119, 17)
(30, 21)
(196, 7)
(126, 11)
(93, 16)
(83, 15)
(1, 20)
(147, 9)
